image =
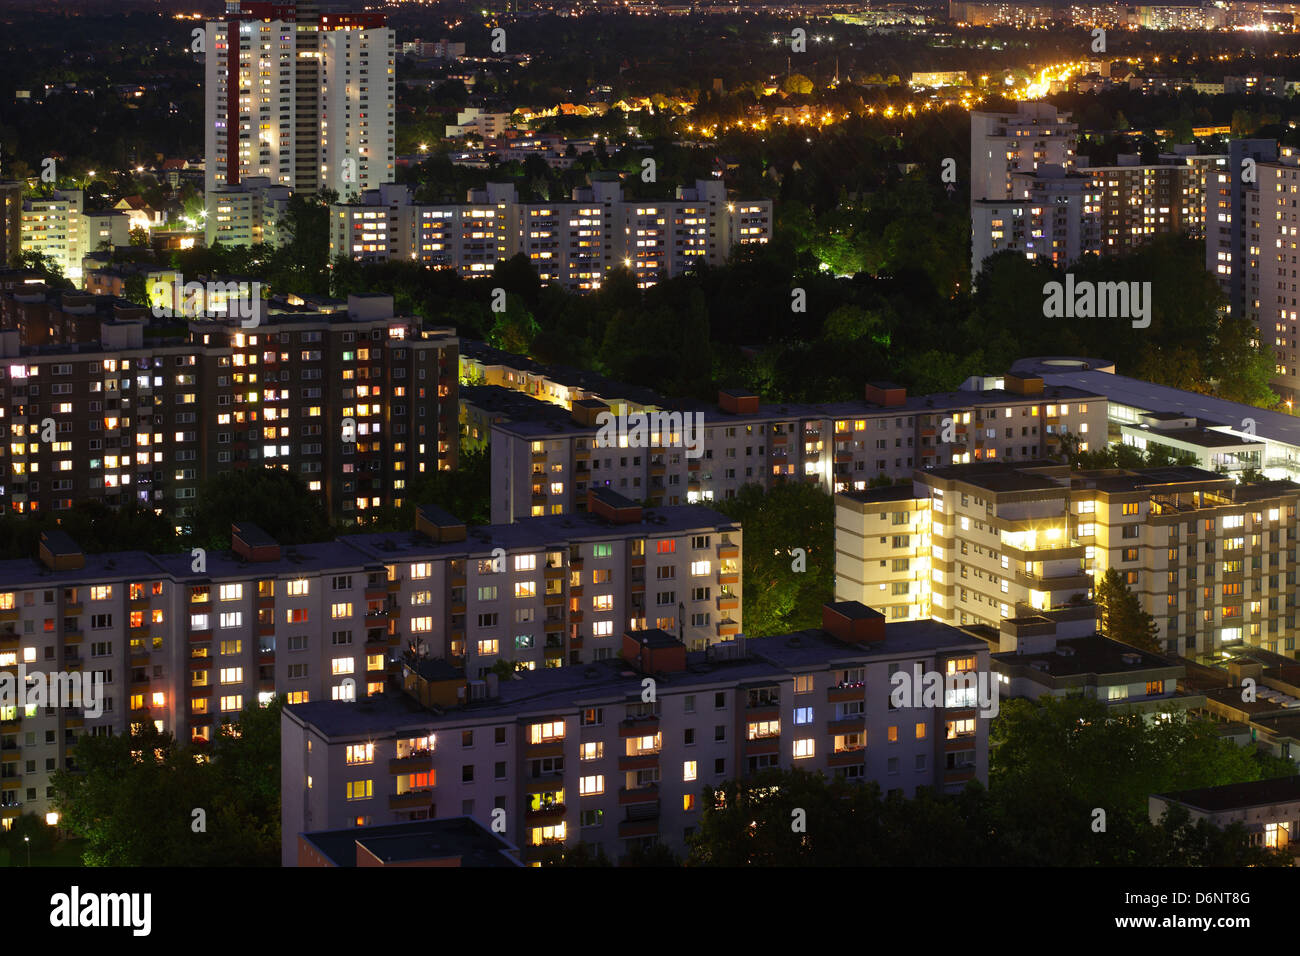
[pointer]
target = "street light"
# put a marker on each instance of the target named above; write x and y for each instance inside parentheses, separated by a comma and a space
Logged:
(28, 841)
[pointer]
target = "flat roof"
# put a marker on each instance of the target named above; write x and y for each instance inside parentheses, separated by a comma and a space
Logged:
(372, 549)
(1093, 654)
(445, 837)
(903, 492)
(615, 680)
(1149, 397)
(1238, 796)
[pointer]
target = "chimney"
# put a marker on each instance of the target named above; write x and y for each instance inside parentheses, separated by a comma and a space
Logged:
(853, 622)
(612, 506)
(654, 651)
(252, 543)
(586, 410)
(737, 401)
(438, 525)
(1030, 385)
(60, 553)
(887, 394)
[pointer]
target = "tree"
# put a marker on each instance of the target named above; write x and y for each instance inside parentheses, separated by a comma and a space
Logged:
(1122, 617)
(1074, 754)
(133, 796)
(275, 500)
(797, 83)
(785, 589)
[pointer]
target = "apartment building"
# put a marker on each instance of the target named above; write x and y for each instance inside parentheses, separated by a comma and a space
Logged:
(1212, 561)
(300, 98)
(357, 403)
(475, 121)
(60, 227)
(183, 642)
(1279, 231)
(1062, 215)
(1003, 144)
(1050, 214)
(247, 213)
(11, 222)
(1031, 193)
(580, 755)
(545, 462)
(573, 243)
(1137, 202)
(1233, 224)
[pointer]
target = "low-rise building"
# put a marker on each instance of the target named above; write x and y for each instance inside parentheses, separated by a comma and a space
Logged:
(1268, 809)
(449, 841)
(1060, 654)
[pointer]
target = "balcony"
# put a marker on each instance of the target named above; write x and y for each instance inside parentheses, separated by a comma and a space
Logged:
(646, 794)
(846, 692)
(763, 745)
(769, 710)
(846, 758)
(726, 551)
(545, 748)
(10, 615)
(641, 761)
(413, 763)
(728, 628)
(728, 602)
(638, 828)
(728, 577)
(846, 725)
(545, 816)
(411, 800)
(638, 726)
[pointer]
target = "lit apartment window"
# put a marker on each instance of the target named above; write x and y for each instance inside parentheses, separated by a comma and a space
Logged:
(231, 592)
(360, 789)
(546, 731)
(360, 753)
(342, 665)
(591, 786)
